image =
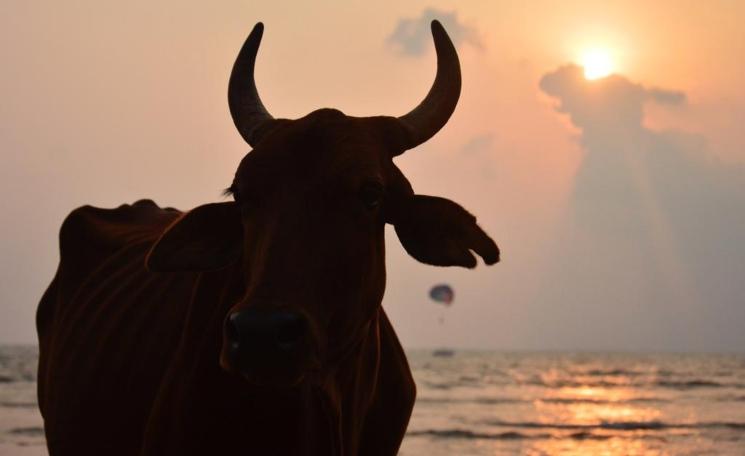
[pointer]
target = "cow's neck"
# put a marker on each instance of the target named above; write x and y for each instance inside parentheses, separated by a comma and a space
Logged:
(350, 386)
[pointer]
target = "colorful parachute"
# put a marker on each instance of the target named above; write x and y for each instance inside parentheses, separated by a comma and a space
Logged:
(442, 294)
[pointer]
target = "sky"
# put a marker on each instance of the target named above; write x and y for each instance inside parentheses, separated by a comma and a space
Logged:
(618, 202)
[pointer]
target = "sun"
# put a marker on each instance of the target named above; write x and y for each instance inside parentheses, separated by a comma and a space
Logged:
(597, 63)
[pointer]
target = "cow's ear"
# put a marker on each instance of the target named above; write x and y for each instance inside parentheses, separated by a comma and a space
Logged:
(438, 231)
(206, 238)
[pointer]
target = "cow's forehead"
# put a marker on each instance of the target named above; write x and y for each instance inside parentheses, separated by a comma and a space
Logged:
(321, 143)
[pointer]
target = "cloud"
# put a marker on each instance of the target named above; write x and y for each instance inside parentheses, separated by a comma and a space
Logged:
(413, 37)
(656, 226)
(613, 102)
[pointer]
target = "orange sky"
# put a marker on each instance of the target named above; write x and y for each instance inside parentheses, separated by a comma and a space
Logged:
(104, 105)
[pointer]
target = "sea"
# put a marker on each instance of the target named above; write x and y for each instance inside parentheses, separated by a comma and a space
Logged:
(514, 403)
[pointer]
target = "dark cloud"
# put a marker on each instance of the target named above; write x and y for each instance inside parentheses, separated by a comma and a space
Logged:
(670, 97)
(413, 36)
(479, 145)
(479, 151)
(656, 232)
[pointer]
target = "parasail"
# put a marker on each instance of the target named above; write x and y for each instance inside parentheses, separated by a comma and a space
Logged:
(442, 294)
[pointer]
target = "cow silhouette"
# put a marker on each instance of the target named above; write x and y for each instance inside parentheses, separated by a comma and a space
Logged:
(253, 326)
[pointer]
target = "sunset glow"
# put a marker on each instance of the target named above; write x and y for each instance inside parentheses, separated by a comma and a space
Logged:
(597, 63)
(426, 228)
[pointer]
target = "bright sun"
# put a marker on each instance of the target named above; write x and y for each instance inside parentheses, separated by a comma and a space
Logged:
(597, 63)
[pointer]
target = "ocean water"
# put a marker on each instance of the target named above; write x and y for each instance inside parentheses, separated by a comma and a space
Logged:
(494, 403)
(21, 431)
(490, 403)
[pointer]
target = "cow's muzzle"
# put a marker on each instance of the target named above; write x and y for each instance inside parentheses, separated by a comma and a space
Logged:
(269, 347)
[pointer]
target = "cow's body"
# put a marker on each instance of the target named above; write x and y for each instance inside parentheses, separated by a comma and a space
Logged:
(128, 360)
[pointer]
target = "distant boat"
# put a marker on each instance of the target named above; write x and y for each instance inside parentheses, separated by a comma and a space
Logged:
(443, 353)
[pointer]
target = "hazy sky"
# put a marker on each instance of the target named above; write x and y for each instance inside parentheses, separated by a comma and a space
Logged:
(619, 203)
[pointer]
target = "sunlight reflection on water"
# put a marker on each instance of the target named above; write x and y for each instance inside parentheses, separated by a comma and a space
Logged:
(481, 403)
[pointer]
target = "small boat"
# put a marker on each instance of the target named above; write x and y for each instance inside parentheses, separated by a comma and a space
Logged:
(443, 353)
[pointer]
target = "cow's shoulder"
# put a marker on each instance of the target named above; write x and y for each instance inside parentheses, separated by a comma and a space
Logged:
(91, 234)
(91, 237)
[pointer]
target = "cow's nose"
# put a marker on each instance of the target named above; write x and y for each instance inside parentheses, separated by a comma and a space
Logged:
(266, 340)
(290, 329)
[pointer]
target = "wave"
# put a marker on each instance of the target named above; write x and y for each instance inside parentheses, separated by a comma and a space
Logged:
(18, 404)
(696, 383)
(34, 431)
(620, 372)
(581, 432)
(610, 373)
(510, 435)
(466, 434)
(476, 400)
(461, 382)
(589, 400)
(550, 400)
(20, 377)
(670, 384)
(730, 398)
(622, 425)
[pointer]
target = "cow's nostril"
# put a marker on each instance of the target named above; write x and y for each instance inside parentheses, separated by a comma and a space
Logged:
(231, 331)
(291, 329)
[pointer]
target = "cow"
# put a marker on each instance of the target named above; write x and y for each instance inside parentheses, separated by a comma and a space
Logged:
(252, 326)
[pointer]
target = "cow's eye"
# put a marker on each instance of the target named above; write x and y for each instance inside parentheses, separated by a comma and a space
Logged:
(236, 193)
(371, 194)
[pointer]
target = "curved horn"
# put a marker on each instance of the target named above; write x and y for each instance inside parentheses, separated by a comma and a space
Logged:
(249, 114)
(434, 111)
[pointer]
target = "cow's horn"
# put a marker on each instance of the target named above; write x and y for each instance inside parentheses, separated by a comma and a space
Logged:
(434, 111)
(249, 114)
